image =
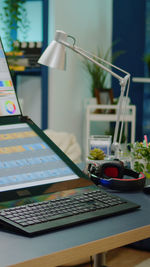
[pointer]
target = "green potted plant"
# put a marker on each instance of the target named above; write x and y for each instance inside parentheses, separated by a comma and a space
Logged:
(14, 17)
(97, 74)
(140, 157)
(96, 154)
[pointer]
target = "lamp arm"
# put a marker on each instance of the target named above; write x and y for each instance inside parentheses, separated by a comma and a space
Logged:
(118, 118)
(122, 80)
(103, 60)
(84, 53)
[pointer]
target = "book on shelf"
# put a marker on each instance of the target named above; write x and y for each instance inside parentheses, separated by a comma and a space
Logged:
(25, 55)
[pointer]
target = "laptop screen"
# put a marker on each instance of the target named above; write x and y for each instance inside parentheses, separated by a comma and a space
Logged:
(8, 101)
(26, 160)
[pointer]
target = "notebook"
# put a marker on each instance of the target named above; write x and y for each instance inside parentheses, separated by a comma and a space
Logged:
(34, 170)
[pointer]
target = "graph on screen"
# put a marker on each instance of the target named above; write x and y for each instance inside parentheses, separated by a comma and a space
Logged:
(8, 101)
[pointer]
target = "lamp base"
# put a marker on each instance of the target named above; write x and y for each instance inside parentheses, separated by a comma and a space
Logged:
(115, 149)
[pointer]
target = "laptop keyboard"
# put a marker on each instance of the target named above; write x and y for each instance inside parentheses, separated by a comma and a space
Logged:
(57, 213)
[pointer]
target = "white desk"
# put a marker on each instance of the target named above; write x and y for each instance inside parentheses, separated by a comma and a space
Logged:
(63, 246)
(91, 116)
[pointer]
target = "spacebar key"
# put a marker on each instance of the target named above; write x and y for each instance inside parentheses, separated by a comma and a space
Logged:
(58, 216)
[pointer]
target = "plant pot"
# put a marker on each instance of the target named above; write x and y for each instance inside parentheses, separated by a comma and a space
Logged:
(104, 96)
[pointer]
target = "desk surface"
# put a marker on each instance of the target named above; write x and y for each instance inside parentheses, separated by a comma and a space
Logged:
(62, 246)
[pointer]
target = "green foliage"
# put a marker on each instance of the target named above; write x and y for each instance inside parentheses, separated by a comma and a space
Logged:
(147, 58)
(97, 74)
(147, 61)
(96, 154)
(138, 166)
(14, 17)
(140, 151)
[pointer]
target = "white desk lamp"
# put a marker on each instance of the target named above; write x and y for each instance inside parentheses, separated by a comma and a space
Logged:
(55, 56)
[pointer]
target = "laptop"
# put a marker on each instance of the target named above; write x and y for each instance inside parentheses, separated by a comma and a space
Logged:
(41, 189)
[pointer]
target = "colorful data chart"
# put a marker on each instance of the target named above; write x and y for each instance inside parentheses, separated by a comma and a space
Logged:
(17, 135)
(34, 176)
(10, 107)
(28, 162)
(23, 148)
(7, 83)
(1, 54)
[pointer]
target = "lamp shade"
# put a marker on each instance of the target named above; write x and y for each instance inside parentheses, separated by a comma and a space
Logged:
(55, 55)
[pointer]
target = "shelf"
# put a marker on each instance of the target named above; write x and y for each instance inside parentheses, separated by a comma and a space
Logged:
(141, 80)
(32, 71)
(109, 117)
(129, 117)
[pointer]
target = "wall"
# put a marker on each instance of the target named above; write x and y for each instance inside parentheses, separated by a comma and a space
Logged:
(146, 96)
(90, 22)
(129, 31)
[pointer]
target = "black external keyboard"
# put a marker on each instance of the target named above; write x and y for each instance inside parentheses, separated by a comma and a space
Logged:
(48, 215)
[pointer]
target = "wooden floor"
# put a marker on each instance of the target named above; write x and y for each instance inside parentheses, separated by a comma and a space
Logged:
(121, 257)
